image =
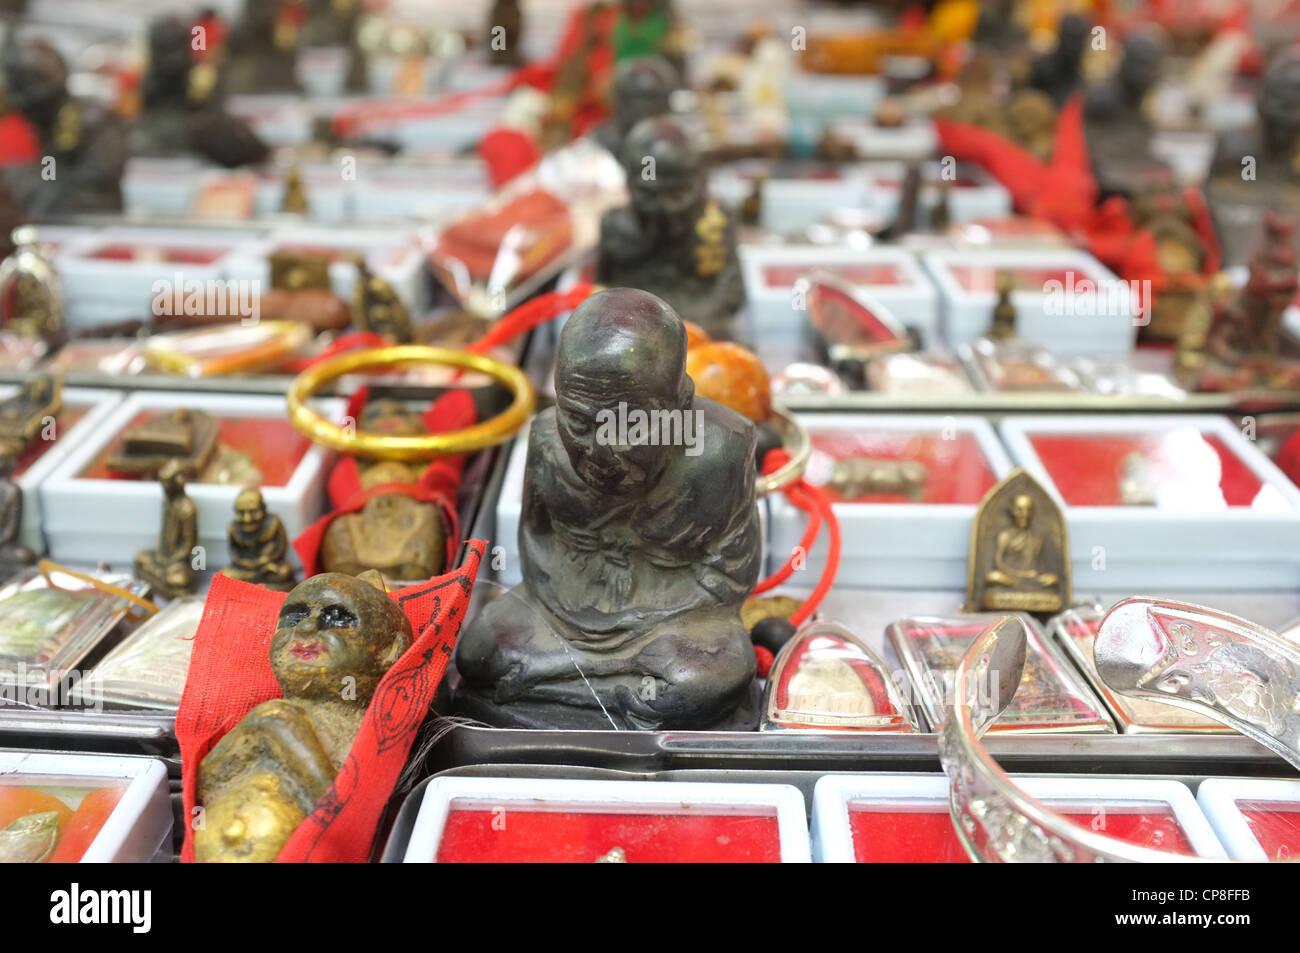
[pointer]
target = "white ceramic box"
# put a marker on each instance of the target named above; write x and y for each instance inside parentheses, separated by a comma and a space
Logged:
(87, 409)
(1065, 300)
(112, 275)
(913, 141)
(665, 821)
(138, 830)
(891, 276)
(895, 540)
(392, 254)
(89, 519)
(425, 191)
(1256, 818)
(1206, 510)
(1100, 802)
(791, 204)
(972, 193)
(162, 186)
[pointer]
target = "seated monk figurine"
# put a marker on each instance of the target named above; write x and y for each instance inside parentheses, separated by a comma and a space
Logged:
(643, 89)
(1016, 558)
(377, 308)
(638, 547)
(13, 554)
(258, 544)
(399, 536)
(169, 568)
(673, 240)
(335, 638)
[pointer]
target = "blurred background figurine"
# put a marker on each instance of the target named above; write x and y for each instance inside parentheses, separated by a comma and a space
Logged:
(263, 50)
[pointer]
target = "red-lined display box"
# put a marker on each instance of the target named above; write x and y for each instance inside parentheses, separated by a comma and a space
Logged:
(1177, 502)
(521, 820)
(1256, 818)
(905, 489)
(95, 514)
(904, 818)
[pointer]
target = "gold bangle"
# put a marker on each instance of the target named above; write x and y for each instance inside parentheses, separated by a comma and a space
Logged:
(384, 447)
(797, 443)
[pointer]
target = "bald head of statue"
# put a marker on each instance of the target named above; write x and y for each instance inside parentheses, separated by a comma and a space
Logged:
(621, 346)
(35, 80)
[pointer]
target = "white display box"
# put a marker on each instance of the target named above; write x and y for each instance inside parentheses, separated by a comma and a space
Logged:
(973, 195)
(427, 192)
(323, 70)
(913, 141)
(89, 520)
(330, 198)
(1222, 801)
(280, 120)
(833, 839)
(92, 407)
(139, 830)
(504, 550)
(162, 186)
(501, 796)
(891, 275)
(1058, 310)
(791, 204)
(111, 276)
(823, 96)
(896, 544)
(1195, 537)
(392, 254)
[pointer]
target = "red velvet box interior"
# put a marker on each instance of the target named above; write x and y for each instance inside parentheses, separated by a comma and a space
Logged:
(159, 253)
(975, 279)
(63, 420)
(900, 834)
(274, 446)
(1275, 824)
(957, 470)
(477, 833)
(862, 273)
(1189, 469)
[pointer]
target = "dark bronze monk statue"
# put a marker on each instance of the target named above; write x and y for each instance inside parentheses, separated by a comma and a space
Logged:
(639, 540)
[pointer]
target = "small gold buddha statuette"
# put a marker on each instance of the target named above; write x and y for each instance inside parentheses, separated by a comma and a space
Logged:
(24, 415)
(1019, 550)
(257, 545)
(335, 638)
(1003, 327)
(169, 569)
(376, 306)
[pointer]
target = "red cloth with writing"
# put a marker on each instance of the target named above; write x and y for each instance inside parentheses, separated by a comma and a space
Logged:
(230, 675)
(439, 484)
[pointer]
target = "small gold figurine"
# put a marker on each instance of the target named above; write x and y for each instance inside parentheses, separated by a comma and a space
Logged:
(258, 544)
(376, 307)
(857, 477)
(1019, 550)
(295, 201)
(24, 415)
(1004, 312)
(186, 437)
(31, 303)
(335, 639)
(169, 568)
(13, 554)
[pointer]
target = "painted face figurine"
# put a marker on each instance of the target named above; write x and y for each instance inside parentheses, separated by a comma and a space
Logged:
(257, 544)
(673, 240)
(639, 545)
(335, 638)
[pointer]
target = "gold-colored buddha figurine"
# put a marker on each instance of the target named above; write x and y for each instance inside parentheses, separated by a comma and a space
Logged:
(13, 554)
(295, 201)
(1020, 556)
(376, 307)
(24, 415)
(857, 477)
(1003, 327)
(30, 300)
(335, 638)
(399, 536)
(258, 544)
(169, 569)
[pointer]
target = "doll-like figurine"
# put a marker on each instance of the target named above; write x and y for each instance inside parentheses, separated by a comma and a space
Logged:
(1059, 72)
(169, 569)
(1267, 152)
(258, 544)
(394, 533)
(673, 240)
(637, 549)
(263, 50)
(335, 638)
(1003, 327)
(1119, 134)
(83, 146)
(182, 105)
(643, 88)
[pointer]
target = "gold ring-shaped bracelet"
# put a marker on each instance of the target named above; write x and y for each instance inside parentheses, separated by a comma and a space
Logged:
(385, 447)
(797, 443)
